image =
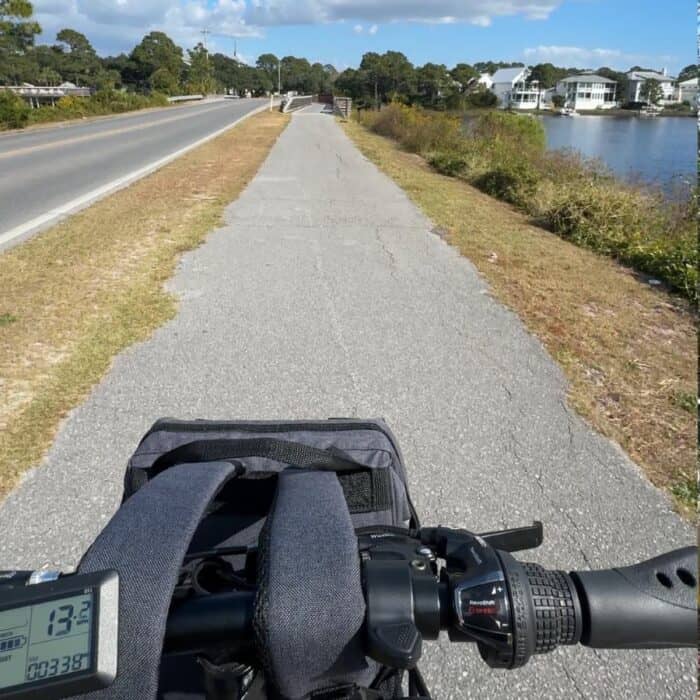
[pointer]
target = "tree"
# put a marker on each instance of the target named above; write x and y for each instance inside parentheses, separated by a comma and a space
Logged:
(17, 29)
(547, 74)
(200, 75)
(491, 67)
(558, 101)
(463, 73)
(162, 80)
(689, 72)
(17, 32)
(269, 64)
(651, 92)
(433, 82)
(156, 50)
(77, 59)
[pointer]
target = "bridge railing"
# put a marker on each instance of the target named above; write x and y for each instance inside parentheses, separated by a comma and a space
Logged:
(297, 102)
(342, 106)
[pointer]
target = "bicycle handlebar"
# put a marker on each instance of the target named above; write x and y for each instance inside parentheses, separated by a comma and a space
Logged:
(648, 605)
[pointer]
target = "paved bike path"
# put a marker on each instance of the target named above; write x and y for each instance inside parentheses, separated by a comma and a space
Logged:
(327, 294)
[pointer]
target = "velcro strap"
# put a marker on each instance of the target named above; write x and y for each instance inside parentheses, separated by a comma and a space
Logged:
(145, 542)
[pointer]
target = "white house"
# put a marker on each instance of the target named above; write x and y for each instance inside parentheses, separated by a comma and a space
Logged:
(637, 78)
(485, 80)
(687, 91)
(588, 91)
(511, 87)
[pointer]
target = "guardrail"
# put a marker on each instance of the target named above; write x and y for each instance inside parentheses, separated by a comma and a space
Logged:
(185, 98)
(296, 102)
(342, 106)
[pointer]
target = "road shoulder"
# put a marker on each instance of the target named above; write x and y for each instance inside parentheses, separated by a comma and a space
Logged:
(74, 297)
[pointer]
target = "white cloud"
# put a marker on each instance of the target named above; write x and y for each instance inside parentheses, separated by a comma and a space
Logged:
(358, 29)
(117, 25)
(480, 12)
(576, 56)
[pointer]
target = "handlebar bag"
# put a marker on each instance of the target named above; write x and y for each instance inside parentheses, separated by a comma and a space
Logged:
(364, 461)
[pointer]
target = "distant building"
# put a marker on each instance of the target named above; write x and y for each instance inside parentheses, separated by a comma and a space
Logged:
(511, 87)
(588, 91)
(637, 78)
(687, 91)
(37, 95)
(485, 80)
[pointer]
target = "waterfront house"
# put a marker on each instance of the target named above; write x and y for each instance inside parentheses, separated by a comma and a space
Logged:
(514, 91)
(637, 78)
(687, 91)
(588, 91)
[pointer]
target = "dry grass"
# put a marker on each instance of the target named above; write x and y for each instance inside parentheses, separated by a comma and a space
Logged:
(75, 296)
(629, 352)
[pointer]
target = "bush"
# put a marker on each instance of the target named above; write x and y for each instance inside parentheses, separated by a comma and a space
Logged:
(514, 182)
(448, 163)
(515, 131)
(416, 129)
(504, 155)
(482, 98)
(14, 111)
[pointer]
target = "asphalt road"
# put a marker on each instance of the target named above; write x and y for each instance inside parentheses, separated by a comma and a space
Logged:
(328, 294)
(41, 170)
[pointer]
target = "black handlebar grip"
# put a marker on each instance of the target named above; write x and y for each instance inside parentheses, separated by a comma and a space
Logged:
(646, 606)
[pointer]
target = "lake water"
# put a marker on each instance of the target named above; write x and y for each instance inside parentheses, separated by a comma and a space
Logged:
(662, 150)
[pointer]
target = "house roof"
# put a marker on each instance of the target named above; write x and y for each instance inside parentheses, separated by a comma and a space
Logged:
(507, 75)
(649, 75)
(689, 83)
(587, 78)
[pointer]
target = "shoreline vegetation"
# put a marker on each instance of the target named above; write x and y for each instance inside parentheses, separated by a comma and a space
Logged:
(504, 155)
(15, 113)
(74, 297)
(627, 349)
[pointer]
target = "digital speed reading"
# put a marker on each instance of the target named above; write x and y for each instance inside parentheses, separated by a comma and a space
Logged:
(46, 640)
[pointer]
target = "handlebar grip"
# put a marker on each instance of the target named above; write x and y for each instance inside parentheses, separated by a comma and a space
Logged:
(650, 605)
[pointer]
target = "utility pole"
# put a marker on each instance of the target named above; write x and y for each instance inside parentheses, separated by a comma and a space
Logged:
(205, 33)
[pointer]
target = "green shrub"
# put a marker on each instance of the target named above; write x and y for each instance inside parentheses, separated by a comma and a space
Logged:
(14, 111)
(514, 182)
(416, 129)
(504, 155)
(448, 163)
(515, 130)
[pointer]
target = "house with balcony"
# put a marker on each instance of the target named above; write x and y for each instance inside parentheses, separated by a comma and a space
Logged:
(637, 78)
(687, 91)
(588, 91)
(513, 89)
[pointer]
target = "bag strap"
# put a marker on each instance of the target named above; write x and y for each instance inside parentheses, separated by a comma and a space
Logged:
(145, 542)
(293, 453)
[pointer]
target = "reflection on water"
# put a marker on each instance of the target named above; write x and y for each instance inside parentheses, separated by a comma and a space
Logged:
(661, 150)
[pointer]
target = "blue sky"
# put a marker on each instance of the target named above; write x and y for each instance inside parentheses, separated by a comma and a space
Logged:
(583, 33)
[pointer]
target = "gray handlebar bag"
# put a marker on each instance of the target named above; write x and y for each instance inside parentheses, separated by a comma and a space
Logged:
(310, 607)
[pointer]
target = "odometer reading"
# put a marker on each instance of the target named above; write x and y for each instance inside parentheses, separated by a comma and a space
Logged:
(47, 640)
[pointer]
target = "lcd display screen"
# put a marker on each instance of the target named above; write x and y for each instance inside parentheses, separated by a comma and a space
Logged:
(46, 641)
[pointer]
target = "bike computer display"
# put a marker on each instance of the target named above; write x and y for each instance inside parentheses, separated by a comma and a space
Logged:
(59, 638)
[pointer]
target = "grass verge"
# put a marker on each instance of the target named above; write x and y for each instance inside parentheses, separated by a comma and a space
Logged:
(628, 351)
(78, 294)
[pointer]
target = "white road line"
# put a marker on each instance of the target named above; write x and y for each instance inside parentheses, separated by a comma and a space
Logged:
(75, 205)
